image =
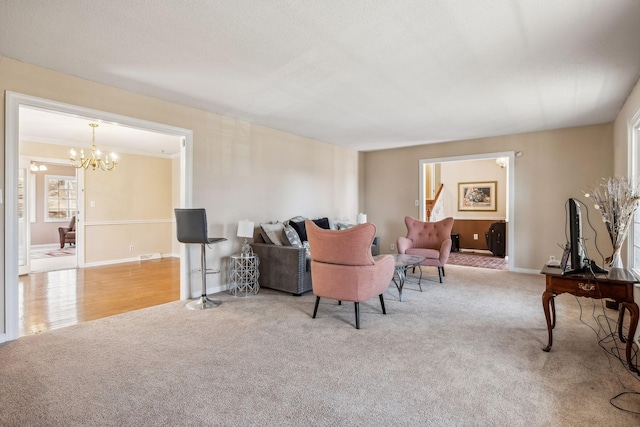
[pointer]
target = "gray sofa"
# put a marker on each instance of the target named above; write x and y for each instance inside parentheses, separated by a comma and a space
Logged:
(284, 268)
(287, 268)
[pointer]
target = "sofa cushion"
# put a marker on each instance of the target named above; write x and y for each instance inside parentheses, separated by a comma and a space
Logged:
(292, 238)
(274, 233)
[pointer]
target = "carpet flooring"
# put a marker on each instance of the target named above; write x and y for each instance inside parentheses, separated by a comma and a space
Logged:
(467, 352)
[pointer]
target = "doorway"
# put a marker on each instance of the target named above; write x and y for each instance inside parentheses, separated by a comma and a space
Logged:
(429, 181)
(14, 102)
(49, 204)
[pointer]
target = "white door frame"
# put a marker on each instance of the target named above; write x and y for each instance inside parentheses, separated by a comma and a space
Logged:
(12, 112)
(510, 190)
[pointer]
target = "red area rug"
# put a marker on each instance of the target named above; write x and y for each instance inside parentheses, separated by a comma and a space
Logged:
(472, 259)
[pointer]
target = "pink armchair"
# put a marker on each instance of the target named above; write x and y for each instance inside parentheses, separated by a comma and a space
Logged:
(431, 240)
(343, 268)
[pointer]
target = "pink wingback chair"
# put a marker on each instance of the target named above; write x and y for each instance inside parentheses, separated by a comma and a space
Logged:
(343, 268)
(431, 240)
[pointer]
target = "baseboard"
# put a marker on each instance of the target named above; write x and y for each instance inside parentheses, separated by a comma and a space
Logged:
(210, 290)
(142, 257)
(525, 270)
(476, 251)
(110, 262)
(145, 257)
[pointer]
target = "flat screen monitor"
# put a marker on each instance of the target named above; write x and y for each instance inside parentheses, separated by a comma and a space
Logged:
(579, 263)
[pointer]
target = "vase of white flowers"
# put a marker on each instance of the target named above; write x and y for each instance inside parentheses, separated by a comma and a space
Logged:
(616, 199)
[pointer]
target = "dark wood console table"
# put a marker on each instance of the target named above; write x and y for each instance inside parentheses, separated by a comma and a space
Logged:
(617, 285)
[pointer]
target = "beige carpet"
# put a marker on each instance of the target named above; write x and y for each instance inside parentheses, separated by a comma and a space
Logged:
(463, 353)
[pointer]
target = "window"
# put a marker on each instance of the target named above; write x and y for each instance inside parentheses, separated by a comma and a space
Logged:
(60, 198)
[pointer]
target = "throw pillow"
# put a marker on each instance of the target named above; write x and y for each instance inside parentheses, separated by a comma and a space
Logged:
(322, 223)
(274, 232)
(296, 219)
(300, 229)
(292, 237)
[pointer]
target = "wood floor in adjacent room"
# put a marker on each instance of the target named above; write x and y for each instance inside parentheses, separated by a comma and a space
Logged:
(56, 299)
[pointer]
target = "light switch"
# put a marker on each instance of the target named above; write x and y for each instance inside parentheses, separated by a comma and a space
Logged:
(93, 204)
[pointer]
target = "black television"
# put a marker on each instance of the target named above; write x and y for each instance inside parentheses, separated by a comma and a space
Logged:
(579, 263)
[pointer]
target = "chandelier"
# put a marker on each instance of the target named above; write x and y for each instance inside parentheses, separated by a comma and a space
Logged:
(95, 161)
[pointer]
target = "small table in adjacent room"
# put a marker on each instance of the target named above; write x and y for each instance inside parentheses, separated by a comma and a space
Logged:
(403, 263)
(617, 285)
(243, 275)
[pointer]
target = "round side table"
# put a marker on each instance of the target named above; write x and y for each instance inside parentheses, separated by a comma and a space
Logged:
(243, 275)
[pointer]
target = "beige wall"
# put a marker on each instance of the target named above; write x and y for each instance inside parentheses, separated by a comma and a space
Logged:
(484, 170)
(621, 131)
(622, 159)
(240, 170)
(133, 205)
(132, 208)
(556, 165)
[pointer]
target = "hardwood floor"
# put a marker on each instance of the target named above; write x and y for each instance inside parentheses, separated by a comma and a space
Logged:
(61, 298)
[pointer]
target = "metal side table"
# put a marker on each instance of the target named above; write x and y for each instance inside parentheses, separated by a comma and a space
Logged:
(243, 275)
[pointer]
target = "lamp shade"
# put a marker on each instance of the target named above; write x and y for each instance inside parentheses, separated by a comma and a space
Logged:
(245, 228)
(362, 218)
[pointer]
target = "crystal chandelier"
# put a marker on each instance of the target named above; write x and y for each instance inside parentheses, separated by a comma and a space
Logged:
(95, 161)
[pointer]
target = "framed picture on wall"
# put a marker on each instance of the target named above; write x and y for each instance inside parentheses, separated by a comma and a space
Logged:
(477, 196)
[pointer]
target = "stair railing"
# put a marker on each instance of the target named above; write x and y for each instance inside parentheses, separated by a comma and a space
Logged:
(432, 205)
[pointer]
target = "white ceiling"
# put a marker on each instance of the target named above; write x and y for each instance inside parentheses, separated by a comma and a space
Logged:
(45, 126)
(365, 74)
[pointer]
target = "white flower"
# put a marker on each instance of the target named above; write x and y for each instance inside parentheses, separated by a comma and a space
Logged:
(616, 199)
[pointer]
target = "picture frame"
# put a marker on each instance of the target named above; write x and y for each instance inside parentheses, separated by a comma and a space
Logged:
(477, 196)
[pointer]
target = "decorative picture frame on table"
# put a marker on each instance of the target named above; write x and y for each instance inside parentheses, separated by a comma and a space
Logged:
(477, 196)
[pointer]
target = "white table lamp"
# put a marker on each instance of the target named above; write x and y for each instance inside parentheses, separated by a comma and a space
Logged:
(245, 229)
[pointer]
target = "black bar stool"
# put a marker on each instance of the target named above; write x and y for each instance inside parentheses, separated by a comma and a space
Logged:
(191, 225)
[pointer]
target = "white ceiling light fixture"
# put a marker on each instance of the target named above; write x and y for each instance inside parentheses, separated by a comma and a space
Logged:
(95, 161)
(37, 168)
(502, 162)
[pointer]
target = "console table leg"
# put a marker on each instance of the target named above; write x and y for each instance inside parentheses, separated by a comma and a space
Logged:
(633, 324)
(621, 310)
(547, 304)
